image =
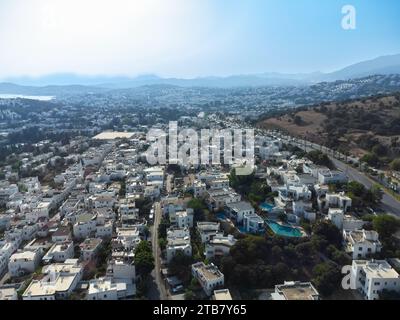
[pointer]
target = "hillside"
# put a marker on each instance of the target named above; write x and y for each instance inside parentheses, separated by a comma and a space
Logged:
(369, 126)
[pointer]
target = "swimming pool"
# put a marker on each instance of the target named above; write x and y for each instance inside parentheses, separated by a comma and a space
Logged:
(266, 206)
(221, 216)
(284, 231)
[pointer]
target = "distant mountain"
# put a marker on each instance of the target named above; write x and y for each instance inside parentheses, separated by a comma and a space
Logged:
(383, 65)
(11, 88)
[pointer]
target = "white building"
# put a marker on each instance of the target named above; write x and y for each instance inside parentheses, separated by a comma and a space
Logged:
(128, 237)
(372, 277)
(199, 189)
(59, 252)
(253, 223)
(105, 230)
(295, 291)
(59, 282)
(184, 218)
(106, 289)
(331, 176)
(61, 235)
(178, 240)
(207, 230)
(219, 246)
(237, 210)
(85, 226)
(335, 200)
(362, 243)
(218, 198)
(89, 248)
(8, 293)
(222, 295)
(209, 277)
(24, 262)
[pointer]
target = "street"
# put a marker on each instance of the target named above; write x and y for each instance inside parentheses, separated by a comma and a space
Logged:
(157, 290)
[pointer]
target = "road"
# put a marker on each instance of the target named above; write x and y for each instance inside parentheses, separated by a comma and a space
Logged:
(389, 203)
(158, 292)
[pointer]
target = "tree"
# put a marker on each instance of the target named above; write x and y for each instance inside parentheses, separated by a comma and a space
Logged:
(180, 266)
(385, 225)
(144, 259)
(320, 158)
(298, 120)
(395, 165)
(328, 231)
(198, 207)
(327, 277)
(371, 159)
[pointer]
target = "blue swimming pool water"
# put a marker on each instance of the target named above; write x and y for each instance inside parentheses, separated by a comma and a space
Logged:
(284, 231)
(221, 216)
(266, 206)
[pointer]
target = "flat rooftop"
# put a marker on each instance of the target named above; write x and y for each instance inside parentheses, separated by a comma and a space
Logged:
(113, 135)
(297, 291)
(222, 295)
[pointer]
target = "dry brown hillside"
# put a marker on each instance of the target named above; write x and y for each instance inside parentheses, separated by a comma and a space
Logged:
(360, 127)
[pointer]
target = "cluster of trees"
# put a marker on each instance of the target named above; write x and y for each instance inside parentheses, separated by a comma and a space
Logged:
(144, 205)
(199, 208)
(257, 262)
(361, 196)
(320, 158)
(253, 189)
(144, 259)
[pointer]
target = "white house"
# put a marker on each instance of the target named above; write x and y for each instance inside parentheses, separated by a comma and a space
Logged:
(59, 282)
(237, 210)
(178, 240)
(361, 243)
(8, 293)
(24, 262)
(184, 218)
(209, 277)
(218, 198)
(106, 289)
(105, 230)
(89, 248)
(61, 235)
(294, 290)
(371, 277)
(207, 230)
(332, 176)
(199, 189)
(253, 223)
(336, 216)
(85, 226)
(59, 252)
(335, 200)
(219, 246)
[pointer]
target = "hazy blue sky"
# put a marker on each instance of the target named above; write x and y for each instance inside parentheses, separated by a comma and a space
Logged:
(189, 38)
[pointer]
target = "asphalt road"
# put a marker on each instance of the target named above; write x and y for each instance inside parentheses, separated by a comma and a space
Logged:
(157, 290)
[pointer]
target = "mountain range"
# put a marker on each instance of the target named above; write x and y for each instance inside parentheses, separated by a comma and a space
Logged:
(72, 83)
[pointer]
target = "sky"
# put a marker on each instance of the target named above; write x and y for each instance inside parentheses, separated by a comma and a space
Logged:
(191, 38)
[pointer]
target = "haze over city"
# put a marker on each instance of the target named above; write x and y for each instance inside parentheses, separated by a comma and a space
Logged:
(189, 38)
